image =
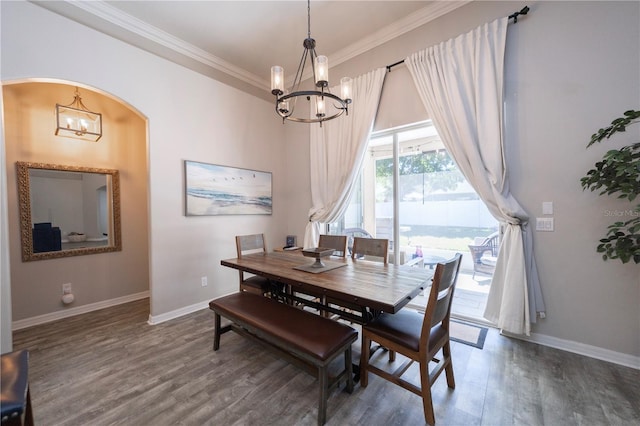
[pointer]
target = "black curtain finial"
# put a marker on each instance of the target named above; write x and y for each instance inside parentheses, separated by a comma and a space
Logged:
(515, 15)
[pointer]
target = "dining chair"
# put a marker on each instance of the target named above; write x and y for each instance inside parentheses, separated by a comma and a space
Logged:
(418, 337)
(364, 248)
(247, 244)
(337, 242)
(371, 249)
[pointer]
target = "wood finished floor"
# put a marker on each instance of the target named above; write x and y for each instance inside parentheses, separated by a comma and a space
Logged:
(110, 367)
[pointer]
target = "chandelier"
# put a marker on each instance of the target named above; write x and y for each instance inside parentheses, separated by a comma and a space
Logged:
(286, 100)
(76, 121)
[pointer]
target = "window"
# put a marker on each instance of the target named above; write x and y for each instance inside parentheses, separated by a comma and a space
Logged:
(410, 186)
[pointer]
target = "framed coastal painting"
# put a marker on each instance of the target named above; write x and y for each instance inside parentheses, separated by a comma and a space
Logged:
(213, 190)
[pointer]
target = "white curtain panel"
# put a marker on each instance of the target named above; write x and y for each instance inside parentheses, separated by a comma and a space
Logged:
(336, 153)
(460, 82)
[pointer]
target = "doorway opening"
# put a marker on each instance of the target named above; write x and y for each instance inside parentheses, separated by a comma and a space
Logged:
(98, 280)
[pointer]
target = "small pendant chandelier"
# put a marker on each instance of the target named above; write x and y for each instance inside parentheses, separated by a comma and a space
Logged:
(76, 121)
(286, 100)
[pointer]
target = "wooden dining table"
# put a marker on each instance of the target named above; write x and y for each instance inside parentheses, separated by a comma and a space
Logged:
(370, 287)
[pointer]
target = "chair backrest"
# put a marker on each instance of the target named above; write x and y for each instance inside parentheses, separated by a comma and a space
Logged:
(484, 245)
(491, 243)
(246, 244)
(337, 242)
(371, 247)
(440, 298)
(351, 233)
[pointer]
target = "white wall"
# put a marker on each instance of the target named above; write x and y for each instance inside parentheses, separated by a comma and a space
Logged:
(190, 117)
(298, 180)
(558, 94)
(6, 341)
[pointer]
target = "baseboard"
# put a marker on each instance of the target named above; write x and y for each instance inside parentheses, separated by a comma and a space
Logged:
(53, 316)
(157, 319)
(565, 345)
(581, 349)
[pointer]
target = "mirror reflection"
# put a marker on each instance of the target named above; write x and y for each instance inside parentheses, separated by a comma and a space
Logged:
(67, 210)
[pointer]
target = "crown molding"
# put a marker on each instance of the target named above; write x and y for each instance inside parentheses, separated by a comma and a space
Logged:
(115, 16)
(410, 22)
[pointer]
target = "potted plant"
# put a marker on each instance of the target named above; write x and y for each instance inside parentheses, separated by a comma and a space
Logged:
(618, 173)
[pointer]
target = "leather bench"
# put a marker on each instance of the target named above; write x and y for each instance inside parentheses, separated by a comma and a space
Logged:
(15, 398)
(303, 338)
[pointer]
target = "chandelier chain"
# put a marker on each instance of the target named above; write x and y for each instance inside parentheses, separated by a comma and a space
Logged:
(308, 18)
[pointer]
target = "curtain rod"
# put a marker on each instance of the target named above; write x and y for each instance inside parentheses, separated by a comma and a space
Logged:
(513, 16)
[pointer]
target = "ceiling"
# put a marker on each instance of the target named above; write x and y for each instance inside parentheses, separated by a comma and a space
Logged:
(238, 41)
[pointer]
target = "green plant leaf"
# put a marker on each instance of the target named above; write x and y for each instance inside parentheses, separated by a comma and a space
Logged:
(618, 174)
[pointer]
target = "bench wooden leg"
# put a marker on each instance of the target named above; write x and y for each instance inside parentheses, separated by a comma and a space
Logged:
(323, 375)
(323, 378)
(216, 333)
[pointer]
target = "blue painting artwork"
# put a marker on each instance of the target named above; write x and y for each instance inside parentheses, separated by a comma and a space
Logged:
(220, 190)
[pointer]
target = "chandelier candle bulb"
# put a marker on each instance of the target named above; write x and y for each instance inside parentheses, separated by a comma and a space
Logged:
(277, 80)
(320, 110)
(283, 106)
(345, 88)
(322, 71)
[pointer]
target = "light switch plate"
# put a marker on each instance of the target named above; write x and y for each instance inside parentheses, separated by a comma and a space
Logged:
(547, 207)
(544, 224)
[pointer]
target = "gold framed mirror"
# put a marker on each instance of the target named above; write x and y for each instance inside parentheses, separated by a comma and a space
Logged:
(67, 210)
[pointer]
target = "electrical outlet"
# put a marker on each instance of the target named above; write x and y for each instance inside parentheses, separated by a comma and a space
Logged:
(66, 288)
(204, 281)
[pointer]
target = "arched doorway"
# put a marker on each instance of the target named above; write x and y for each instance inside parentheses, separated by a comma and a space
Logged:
(97, 280)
